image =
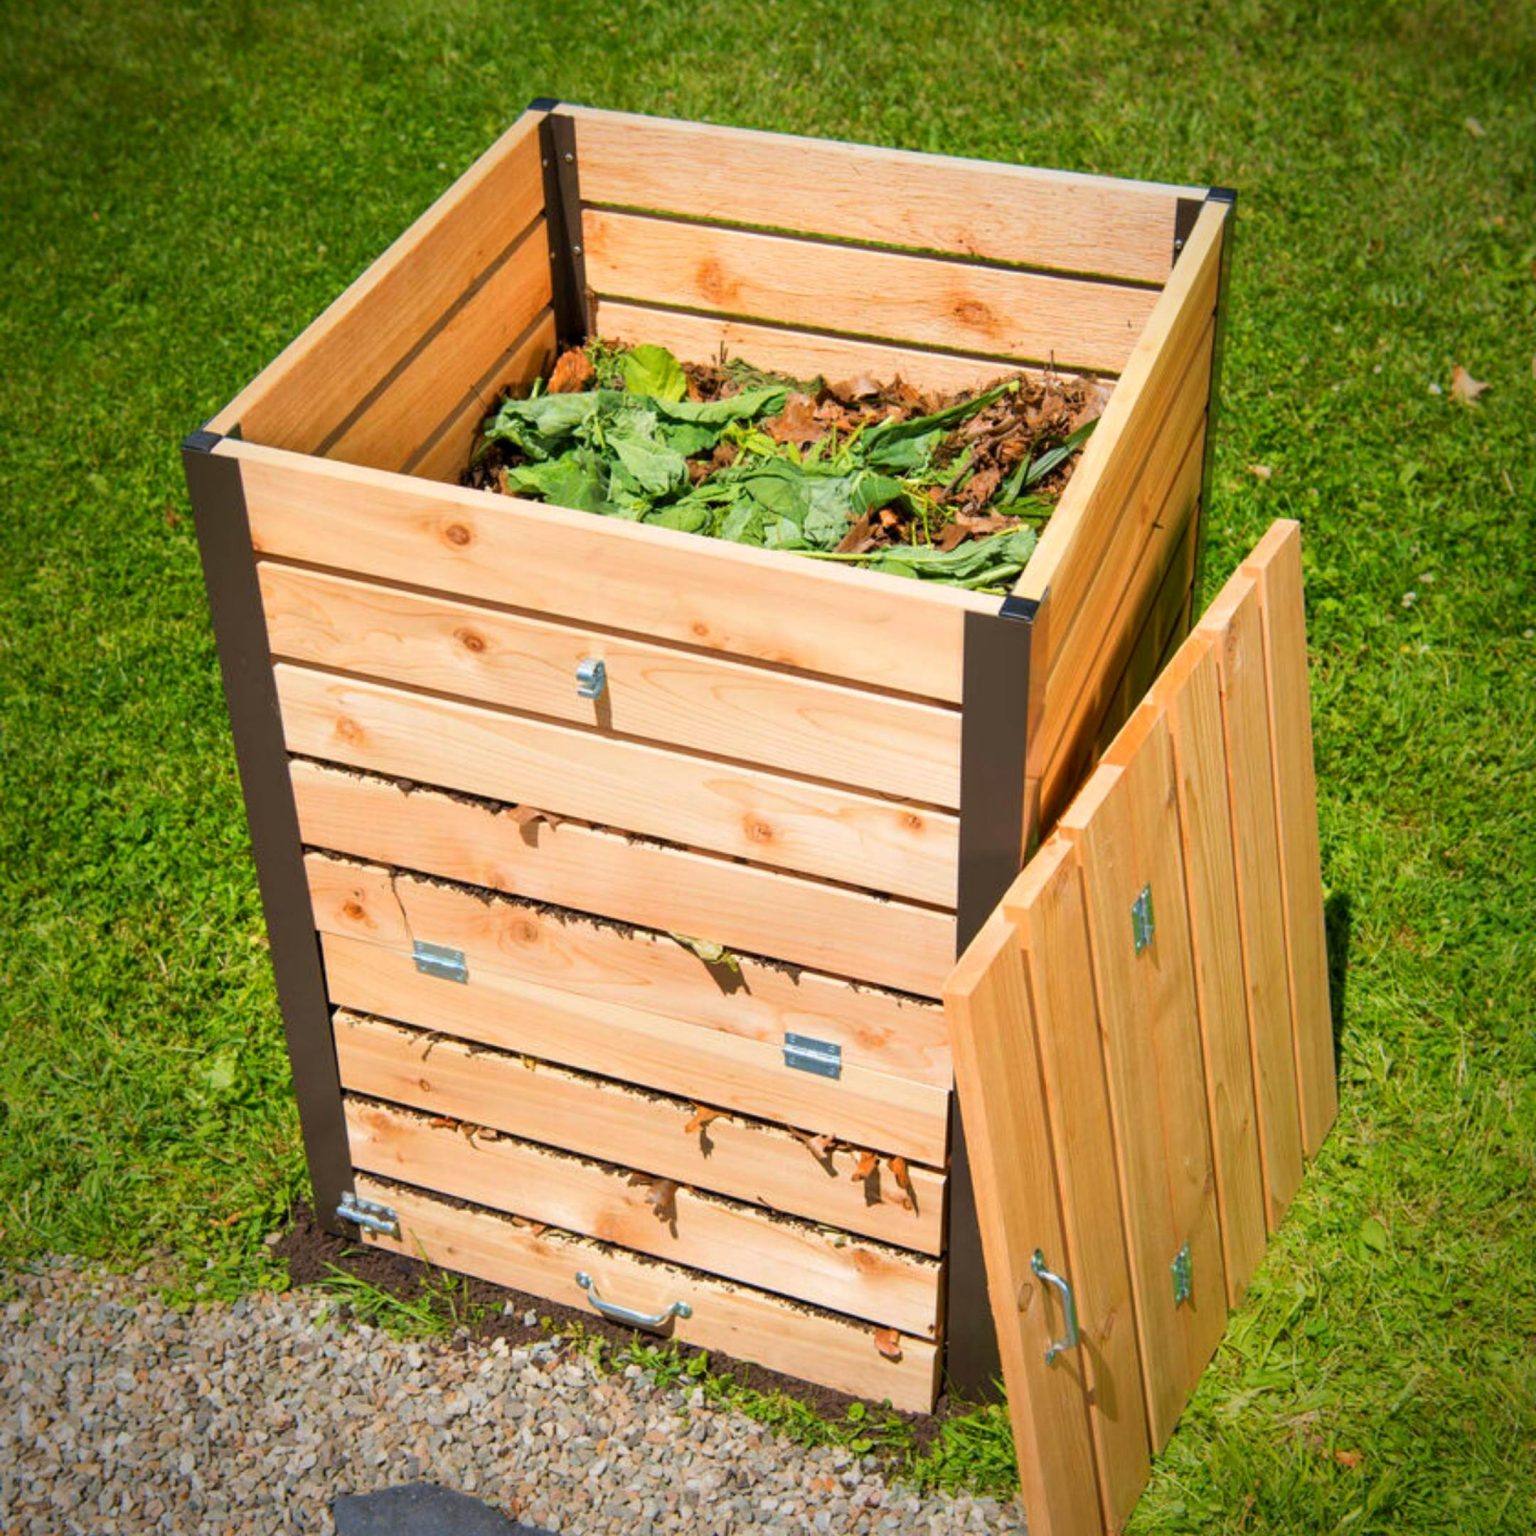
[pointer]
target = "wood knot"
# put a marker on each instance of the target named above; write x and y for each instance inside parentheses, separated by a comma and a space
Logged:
(524, 931)
(912, 821)
(759, 831)
(424, 1084)
(349, 730)
(974, 312)
(470, 640)
(699, 629)
(457, 533)
(353, 910)
(713, 283)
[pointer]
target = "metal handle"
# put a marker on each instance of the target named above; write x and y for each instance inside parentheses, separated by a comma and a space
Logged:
(368, 1214)
(1068, 1307)
(627, 1315)
(591, 679)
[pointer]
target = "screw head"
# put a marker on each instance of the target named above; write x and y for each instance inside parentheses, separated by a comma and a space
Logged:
(575, 250)
(569, 157)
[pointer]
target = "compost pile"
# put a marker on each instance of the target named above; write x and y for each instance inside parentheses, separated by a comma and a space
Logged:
(880, 475)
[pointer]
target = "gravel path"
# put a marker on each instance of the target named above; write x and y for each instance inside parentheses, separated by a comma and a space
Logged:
(119, 1414)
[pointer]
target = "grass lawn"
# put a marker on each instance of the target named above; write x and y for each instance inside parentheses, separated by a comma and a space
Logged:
(184, 187)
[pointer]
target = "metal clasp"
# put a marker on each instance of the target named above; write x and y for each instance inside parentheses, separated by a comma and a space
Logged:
(1141, 919)
(440, 960)
(591, 679)
(1068, 1307)
(368, 1214)
(627, 1315)
(1183, 1276)
(808, 1054)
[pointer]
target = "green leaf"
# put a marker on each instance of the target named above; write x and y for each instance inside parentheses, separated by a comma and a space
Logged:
(1373, 1235)
(652, 370)
(573, 480)
(749, 405)
(709, 952)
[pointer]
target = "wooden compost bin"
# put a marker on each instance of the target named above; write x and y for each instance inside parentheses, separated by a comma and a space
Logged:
(834, 773)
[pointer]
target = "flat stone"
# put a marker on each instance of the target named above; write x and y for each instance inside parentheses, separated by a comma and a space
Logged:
(421, 1509)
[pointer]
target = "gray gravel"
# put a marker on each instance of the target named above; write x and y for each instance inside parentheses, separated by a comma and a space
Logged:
(119, 1414)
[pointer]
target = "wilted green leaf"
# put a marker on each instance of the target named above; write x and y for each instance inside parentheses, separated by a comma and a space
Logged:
(652, 370)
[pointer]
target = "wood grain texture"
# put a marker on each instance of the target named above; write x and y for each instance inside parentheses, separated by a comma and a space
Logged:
(891, 197)
(302, 397)
(1045, 905)
(637, 968)
(867, 1109)
(1085, 521)
(745, 1323)
(676, 890)
(1276, 566)
(856, 626)
(486, 326)
(1124, 829)
(674, 697)
(744, 812)
(879, 294)
(735, 1156)
(1235, 625)
(446, 452)
(804, 354)
(997, 1073)
(1189, 692)
(720, 1237)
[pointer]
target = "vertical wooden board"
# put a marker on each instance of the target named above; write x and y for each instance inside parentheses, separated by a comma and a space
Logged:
(1190, 694)
(1233, 621)
(1045, 904)
(998, 1079)
(1276, 564)
(1125, 832)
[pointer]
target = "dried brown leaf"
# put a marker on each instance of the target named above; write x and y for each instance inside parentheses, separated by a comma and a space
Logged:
(529, 815)
(1464, 387)
(903, 1178)
(662, 1198)
(442, 1122)
(1349, 1458)
(572, 374)
(865, 1167)
(821, 1146)
(796, 423)
(859, 387)
(701, 1118)
(888, 1342)
(1261, 471)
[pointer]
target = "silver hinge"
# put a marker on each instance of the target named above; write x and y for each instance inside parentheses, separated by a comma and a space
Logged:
(440, 960)
(369, 1215)
(1183, 1276)
(1141, 919)
(807, 1054)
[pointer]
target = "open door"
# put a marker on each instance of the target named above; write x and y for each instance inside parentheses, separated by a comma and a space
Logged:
(1143, 1052)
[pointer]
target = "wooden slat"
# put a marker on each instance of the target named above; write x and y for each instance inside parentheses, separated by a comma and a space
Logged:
(310, 389)
(858, 626)
(1125, 832)
(1045, 904)
(1082, 528)
(489, 322)
(1087, 669)
(669, 696)
(733, 1156)
(1236, 627)
(869, 1109)
(998, 1079)
(879, 294)
(676, 890)
(744, 812)
(446, 453)
(744, 1323)
(636, 968)
(737, 1242)
(804, 354)
(1276, 566)
(892, 197)
(1189, 692)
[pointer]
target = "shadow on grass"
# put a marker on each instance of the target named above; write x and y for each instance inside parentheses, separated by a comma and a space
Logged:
(1338, 917)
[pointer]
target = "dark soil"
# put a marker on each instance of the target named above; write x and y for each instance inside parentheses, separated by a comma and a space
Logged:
(309, 1251)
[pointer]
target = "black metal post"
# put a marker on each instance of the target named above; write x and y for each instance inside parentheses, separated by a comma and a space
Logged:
(562, 214)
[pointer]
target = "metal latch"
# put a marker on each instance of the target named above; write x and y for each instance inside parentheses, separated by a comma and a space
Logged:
(369, 1215)
(807, 1054)
(439, 960)
(1183, 1276)
(591, 679)
(1141, 919)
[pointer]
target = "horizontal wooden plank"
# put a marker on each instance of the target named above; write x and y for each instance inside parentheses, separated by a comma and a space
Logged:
(301, 398)
(676, 890)
(892, 297)
(744, 1323)
(889, 196)
(635, 967)
(732, 1155)
(806, 354)
(445, 454)
(744, 812)
(673, 697)
(1087, 517)
(811, 615)
(720, 1237)
(489, 321)
(867, 1109)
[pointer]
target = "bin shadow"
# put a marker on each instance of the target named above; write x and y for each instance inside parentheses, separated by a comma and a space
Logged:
(1338, 918)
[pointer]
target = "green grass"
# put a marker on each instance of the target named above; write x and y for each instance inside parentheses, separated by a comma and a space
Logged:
(185, 187)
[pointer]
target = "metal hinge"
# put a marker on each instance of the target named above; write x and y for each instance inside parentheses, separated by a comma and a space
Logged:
(1183, 1276)
(1141, 919)
(807, 1054)
(369, 1215)
(439, 960)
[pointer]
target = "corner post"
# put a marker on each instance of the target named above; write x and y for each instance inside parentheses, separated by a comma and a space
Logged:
(994, 736)
(239, 625)
(562, 222)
